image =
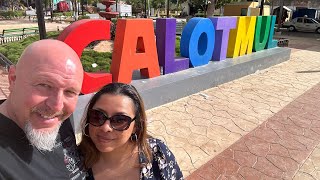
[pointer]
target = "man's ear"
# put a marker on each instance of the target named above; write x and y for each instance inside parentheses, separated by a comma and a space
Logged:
(12, 77)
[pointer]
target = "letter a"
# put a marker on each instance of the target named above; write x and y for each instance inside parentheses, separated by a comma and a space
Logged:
(134, 49)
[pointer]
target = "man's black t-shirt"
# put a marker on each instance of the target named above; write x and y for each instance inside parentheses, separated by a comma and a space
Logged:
(20, 160)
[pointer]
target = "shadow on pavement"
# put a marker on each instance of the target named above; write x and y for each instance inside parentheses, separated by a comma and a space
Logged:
(317, 71)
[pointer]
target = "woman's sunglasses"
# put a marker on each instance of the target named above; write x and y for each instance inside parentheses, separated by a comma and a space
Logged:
(118, 122)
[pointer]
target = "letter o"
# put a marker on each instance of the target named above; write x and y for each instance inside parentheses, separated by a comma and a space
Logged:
(197, 41)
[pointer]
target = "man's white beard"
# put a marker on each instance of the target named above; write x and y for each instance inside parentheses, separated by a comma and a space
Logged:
(42, 140)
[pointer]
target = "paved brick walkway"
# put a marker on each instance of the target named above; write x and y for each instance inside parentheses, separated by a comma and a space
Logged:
(276, 148)
(4, 92)
(199, 127)
(25, 23)
(262, 126)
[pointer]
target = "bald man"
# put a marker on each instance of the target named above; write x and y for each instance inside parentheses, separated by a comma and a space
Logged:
(36, 140)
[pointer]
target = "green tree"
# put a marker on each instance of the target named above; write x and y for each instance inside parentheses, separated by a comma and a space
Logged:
(90, 2)
(137, 5)
(215, 4)
(178, 3)
(196, 5)
(157, 4)
(12, 4)
(207, 6)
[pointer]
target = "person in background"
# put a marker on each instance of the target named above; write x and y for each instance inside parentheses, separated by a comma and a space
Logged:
(36, 140)
(115, 144)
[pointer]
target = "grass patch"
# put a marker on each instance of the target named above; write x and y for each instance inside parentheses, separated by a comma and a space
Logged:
(178, 39)
(13, 50)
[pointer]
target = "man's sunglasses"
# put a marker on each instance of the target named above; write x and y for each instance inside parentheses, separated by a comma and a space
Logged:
(118, 122)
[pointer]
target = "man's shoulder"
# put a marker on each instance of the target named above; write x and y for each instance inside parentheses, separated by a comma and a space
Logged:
(66, 127)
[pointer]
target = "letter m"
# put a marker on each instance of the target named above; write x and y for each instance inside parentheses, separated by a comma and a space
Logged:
(241, 38)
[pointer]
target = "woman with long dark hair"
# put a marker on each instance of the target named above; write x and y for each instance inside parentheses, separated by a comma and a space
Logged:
(115, 144)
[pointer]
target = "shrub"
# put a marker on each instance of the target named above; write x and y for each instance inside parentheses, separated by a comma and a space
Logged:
(10, 14)
(13, 51)
(83, 17)
(102, 59)
(57, 14)
(199, 14)
(68, 13)
(113, 28)
(178, 39)
(19, 14)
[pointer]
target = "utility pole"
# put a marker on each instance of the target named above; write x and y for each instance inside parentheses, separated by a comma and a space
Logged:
(149, 10)
(145, 9)
(280, 14)
(261, 7)
(40, 17)
(82, 4)
(51, 10)
(168, 8)
(116, 5)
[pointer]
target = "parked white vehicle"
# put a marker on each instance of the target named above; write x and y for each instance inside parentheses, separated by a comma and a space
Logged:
(302, 24)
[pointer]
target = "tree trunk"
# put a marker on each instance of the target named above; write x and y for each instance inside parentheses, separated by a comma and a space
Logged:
(40, 18)
(261, 7)
(51, 10)
(210, 8)
(280, 15)
(168, 8)
(75, 9)
(12, 5)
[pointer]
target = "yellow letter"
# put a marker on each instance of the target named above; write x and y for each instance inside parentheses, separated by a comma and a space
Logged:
(241, 38)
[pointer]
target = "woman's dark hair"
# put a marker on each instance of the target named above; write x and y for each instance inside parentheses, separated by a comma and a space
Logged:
(87, 147)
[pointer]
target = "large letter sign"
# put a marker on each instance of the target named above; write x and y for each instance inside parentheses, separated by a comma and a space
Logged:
(222, 25)
(137, 48)
(241, 38)
(134, 49)
(197, 41)
(271, 42)
(78, 35)
(262, 32)
(166, 42)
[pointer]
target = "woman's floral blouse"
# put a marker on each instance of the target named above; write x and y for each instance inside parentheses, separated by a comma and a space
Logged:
(163, 166)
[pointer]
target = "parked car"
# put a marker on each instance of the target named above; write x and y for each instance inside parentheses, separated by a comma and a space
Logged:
(302, 24)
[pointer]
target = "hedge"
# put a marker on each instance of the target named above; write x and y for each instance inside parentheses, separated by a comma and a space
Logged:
(12, 14)
(89, 57)
(13, 50)
(58, 14)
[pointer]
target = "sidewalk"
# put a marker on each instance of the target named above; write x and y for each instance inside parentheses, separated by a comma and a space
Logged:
(4, 84)
(200, 127)
(262, 126)
(25, 23)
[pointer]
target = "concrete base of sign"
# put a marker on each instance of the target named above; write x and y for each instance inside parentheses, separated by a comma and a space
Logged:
(170, 87)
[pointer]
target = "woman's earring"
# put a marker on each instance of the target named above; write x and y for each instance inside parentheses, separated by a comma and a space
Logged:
(84, 130)
(134, 137)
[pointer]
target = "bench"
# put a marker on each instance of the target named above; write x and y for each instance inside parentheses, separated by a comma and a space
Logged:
(9, 35)
(32, 15)
(180, 26)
